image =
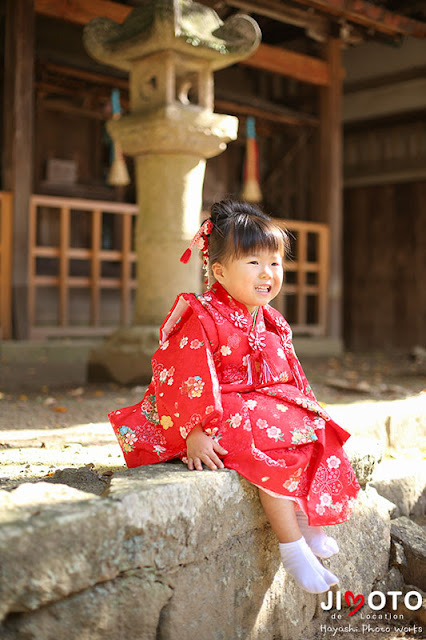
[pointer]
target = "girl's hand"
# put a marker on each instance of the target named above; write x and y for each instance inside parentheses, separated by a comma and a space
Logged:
(201, 448)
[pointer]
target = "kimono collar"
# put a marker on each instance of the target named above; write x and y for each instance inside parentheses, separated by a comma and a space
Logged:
(235, 311)
(224, 297)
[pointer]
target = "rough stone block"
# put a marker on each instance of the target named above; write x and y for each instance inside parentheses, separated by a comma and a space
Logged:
(126, 608)
(412, 537)
(49, 547)
(393, 581)
(418, 615)
(364, 543)
(84, 479)
(403, 482)
(392, 422)
(162, 539)
(365, 454)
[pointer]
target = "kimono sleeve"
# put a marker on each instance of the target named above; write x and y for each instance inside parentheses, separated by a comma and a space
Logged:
(185, 381)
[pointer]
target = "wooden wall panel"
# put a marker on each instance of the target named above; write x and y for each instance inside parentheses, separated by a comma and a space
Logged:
(385, 263)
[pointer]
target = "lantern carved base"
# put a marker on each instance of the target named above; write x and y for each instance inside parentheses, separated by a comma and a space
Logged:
(124, 357)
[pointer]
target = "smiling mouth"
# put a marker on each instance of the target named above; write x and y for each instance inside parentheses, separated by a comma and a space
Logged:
(264, 288)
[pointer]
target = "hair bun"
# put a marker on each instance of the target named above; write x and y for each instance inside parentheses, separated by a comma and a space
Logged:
(224, 209)
(221, 210)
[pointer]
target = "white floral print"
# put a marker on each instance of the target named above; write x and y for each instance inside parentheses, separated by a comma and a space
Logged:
(333, 462)
(256, 342)
(326, 499)
(275, 434)
(235, 420)
(239, 319)
(282, 407)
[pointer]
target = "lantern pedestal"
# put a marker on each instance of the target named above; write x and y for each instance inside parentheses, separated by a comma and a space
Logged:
(171, 49)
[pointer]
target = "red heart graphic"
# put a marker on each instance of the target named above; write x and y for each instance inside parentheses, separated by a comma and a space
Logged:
(359, 598)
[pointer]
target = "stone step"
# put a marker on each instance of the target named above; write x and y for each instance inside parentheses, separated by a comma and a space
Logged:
(127, 565)
(396, 423)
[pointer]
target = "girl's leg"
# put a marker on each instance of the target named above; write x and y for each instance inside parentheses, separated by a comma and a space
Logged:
(282, 517)
(297, 558)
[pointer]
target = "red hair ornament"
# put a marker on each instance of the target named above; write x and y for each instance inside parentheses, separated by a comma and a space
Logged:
(200, 239)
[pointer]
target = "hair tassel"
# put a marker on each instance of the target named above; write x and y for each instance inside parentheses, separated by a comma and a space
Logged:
(186, 256)
(202, 233)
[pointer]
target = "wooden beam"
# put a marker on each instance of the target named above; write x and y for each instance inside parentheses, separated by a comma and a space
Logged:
(89, 76)
(277, 115)
(291, 64)
(274, 59)
(279, 11)
(82, 11)
(398, 98)
(359, 11)
(62, 107)
(22, 43)
(370, 15)
(269, 58)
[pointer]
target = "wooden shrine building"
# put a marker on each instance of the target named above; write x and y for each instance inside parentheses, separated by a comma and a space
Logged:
(355, 210)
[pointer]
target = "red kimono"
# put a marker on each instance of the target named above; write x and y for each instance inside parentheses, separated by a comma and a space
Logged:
(241, 380)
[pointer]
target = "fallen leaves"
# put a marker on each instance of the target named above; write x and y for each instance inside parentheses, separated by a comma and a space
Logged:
(76, 392)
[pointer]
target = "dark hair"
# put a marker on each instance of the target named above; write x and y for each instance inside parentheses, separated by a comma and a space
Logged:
(241, 227)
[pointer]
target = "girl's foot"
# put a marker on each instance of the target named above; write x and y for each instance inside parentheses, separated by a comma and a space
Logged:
(322, 545)
(299, 561)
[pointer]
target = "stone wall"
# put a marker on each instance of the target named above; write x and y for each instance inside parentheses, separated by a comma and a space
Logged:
(166, 554)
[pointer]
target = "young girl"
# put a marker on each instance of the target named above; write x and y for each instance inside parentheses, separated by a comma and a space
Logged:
(228, 392)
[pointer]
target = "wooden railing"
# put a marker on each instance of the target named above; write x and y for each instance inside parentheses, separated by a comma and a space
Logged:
(303, 297)
(5, 263)
(81, 253)
(80, 250)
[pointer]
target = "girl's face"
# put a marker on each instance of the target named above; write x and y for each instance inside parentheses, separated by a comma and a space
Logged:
(254, 279)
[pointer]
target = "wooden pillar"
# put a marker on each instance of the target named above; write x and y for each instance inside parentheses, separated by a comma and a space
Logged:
(19, 63)
(330, 181)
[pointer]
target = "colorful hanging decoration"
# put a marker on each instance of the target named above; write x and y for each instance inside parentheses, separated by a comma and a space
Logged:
(251, 188)
(118, 175)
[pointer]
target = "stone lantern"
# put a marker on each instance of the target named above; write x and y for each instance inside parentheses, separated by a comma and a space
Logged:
(170, 49)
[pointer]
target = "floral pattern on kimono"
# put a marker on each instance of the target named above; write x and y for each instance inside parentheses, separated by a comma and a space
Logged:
(240, 379)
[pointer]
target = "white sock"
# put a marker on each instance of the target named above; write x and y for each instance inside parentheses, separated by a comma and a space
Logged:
(299, 561)
(322, 545)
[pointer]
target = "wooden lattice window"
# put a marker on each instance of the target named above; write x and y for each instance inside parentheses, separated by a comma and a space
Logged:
(303, 297)
(82, 266)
